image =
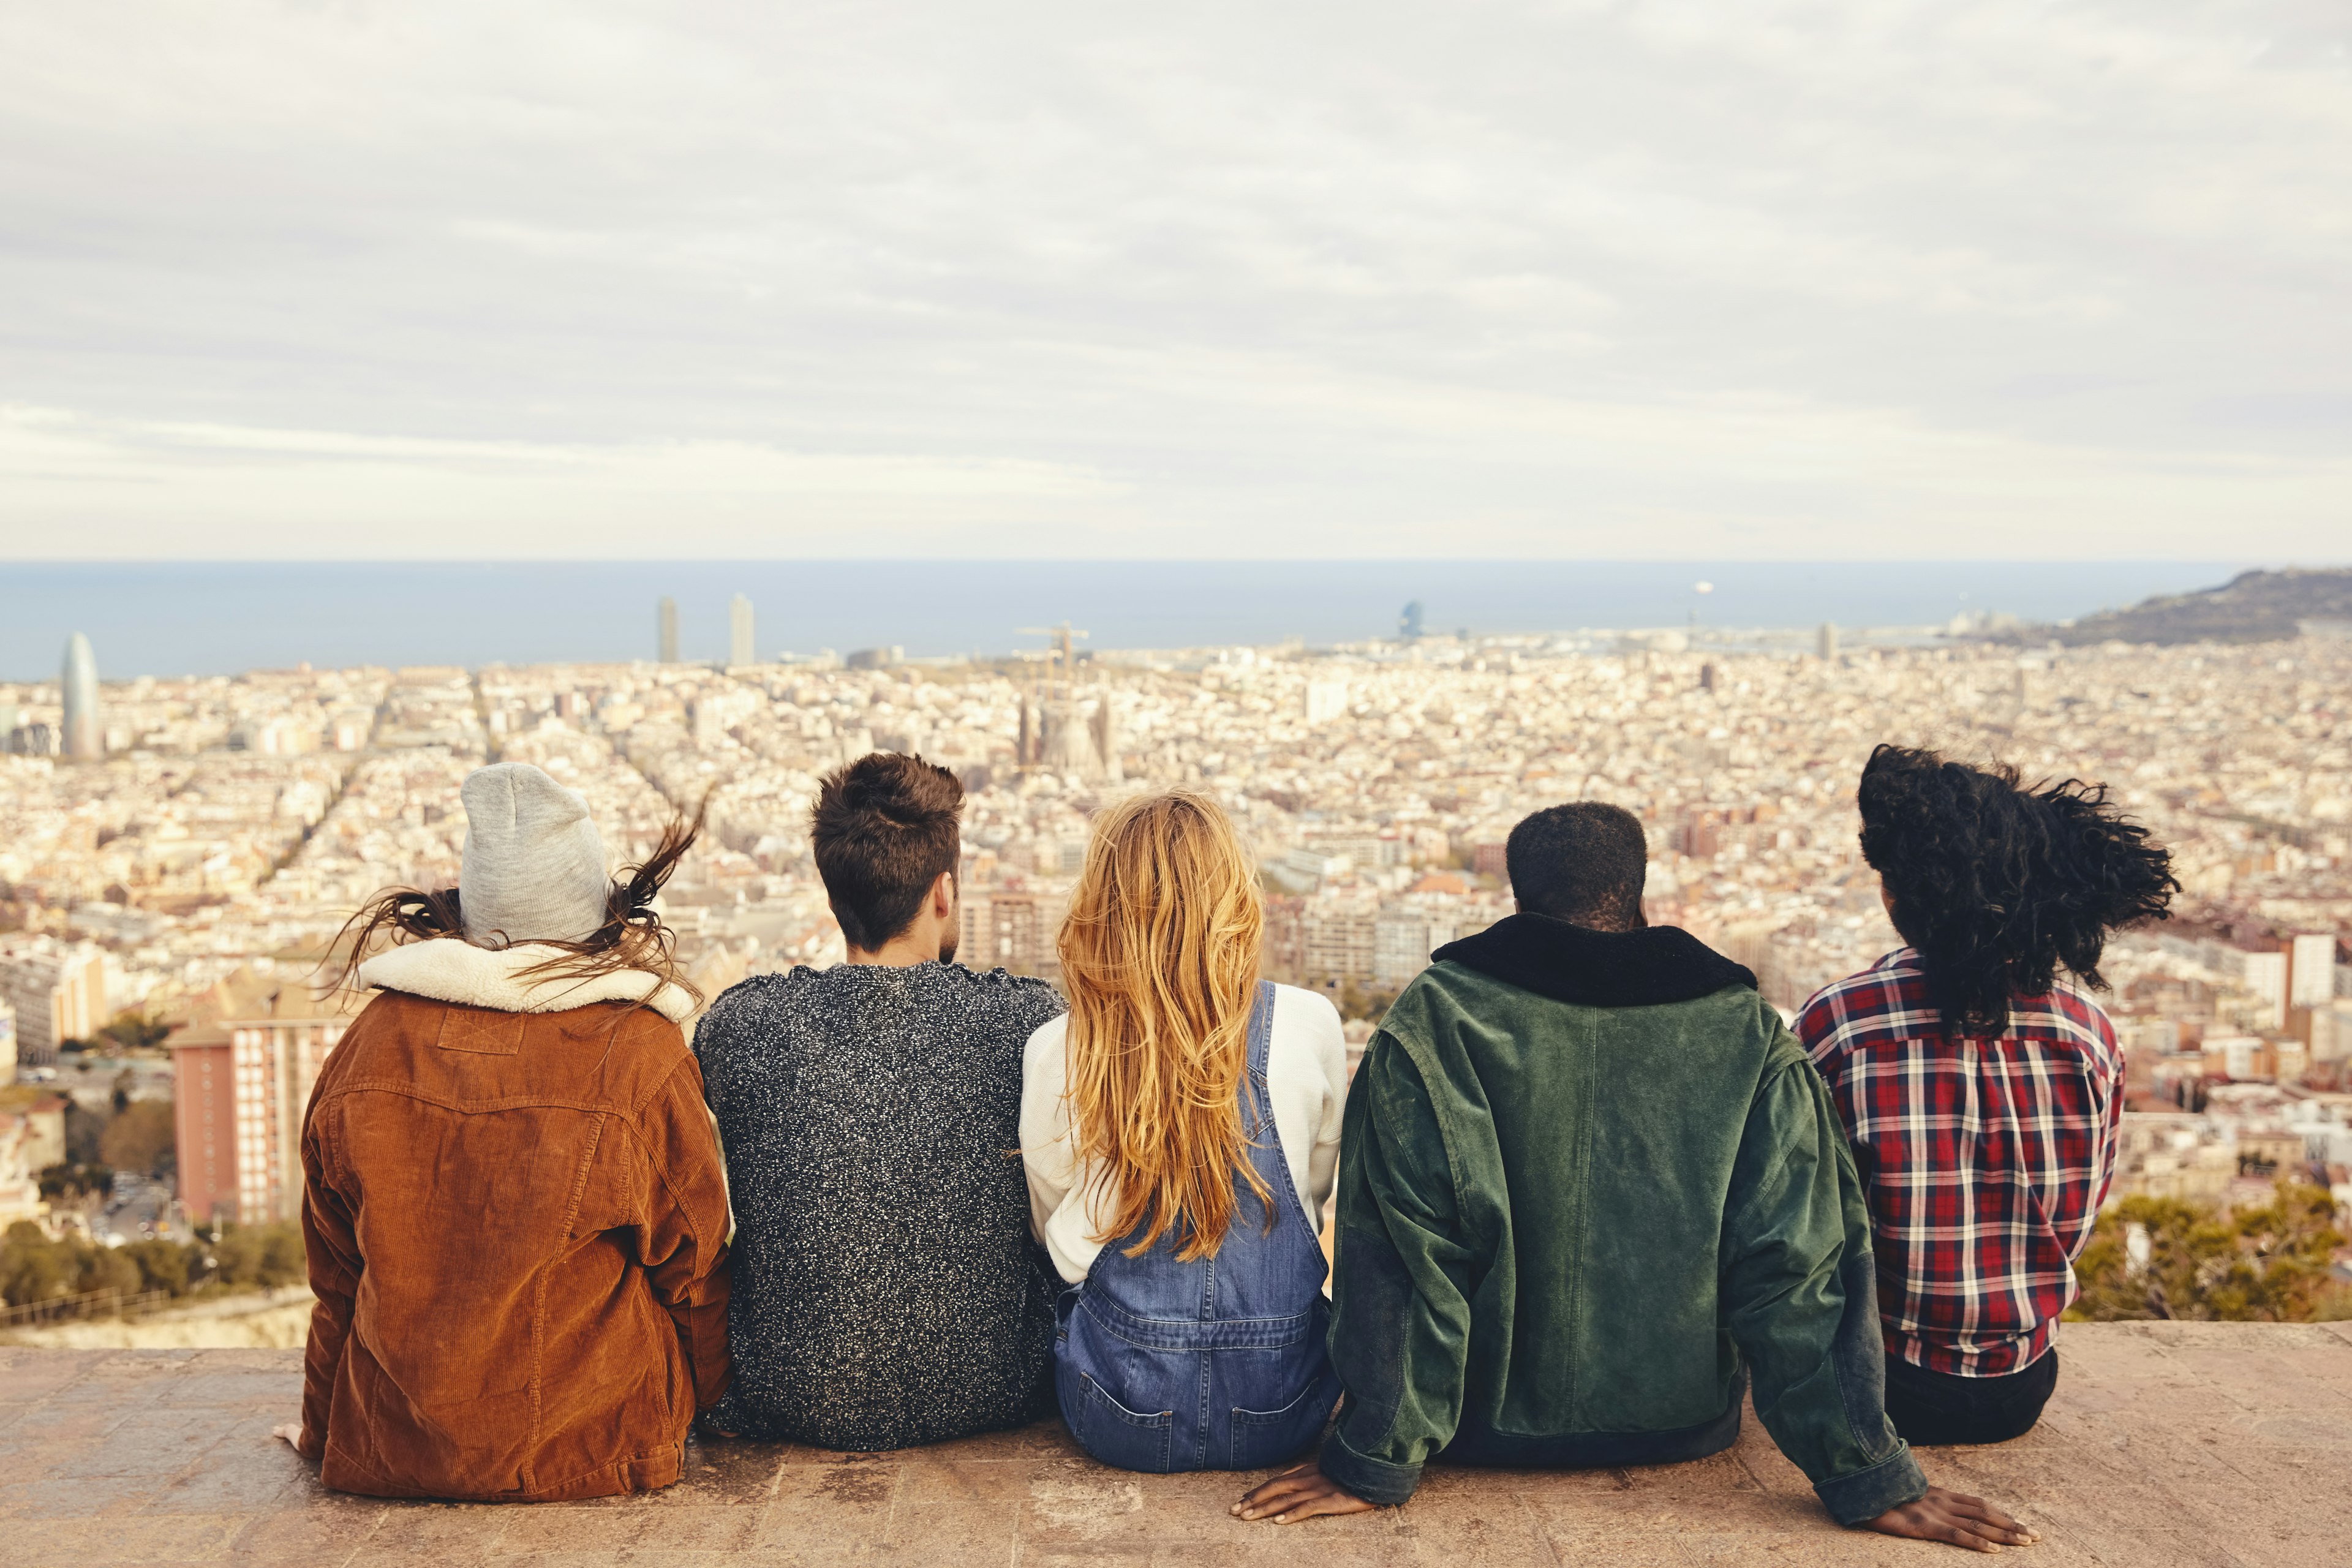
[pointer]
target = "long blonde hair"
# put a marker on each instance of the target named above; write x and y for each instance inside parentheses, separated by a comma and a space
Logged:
(1159, 953)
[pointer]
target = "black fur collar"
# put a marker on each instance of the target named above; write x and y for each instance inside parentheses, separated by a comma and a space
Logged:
(1596, 968)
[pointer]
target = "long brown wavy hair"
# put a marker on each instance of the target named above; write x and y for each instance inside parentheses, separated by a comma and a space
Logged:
(631, 937)
(1160, 954)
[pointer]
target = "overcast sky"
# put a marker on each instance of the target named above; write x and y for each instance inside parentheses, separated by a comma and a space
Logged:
(1651, 281)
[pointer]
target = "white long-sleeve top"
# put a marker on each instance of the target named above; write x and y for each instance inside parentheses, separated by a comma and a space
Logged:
(1307, 1079)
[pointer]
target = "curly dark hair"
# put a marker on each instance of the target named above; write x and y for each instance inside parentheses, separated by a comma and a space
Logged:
(1998, 885)
(1582, 862)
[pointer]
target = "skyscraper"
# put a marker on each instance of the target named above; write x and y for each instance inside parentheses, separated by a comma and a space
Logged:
(665, 631)
(1827, 646)
(738, 633)
(1409, 623)
(85, 741)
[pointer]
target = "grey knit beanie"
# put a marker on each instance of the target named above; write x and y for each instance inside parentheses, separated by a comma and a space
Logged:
(533, 867)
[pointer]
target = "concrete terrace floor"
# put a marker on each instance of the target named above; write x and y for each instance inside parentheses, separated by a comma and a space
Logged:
(2175, 1443)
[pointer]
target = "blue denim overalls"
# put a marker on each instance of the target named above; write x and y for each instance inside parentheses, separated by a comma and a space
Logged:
(1218, 1363)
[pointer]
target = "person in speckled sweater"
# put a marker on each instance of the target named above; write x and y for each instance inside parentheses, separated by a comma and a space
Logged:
(888, 1290)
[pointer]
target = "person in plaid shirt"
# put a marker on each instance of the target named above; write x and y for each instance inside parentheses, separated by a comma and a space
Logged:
(1978, 1081)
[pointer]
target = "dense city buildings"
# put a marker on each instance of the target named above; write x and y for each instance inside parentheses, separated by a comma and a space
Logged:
(233, 823)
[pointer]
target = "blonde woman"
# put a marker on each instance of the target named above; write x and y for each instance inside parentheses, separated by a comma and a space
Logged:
(1181, 1130)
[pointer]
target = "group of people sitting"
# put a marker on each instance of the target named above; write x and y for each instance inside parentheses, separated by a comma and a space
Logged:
(1592, 1194)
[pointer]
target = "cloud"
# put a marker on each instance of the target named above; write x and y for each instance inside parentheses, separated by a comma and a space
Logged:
(229, 491)
(1818, 280)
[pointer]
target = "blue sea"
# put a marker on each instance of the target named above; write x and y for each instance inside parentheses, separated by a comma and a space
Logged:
(217, 617)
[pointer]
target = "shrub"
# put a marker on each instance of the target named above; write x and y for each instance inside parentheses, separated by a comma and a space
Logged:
(2254, 1265)
(162, 1265)
(251, 1255)
(34, 1269)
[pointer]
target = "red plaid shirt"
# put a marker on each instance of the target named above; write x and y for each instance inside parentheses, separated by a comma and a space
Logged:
(1986, 1160)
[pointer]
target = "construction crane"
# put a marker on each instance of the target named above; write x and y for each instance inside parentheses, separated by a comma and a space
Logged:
(1062, 637)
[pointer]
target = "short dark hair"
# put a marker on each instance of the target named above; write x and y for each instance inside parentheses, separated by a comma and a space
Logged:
(1583, 862)
(884, 827)
(1997, 884)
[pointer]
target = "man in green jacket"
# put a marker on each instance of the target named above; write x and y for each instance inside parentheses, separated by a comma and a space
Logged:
(1590, 1187)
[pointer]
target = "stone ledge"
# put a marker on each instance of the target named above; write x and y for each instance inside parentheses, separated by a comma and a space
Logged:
(2167, 1443)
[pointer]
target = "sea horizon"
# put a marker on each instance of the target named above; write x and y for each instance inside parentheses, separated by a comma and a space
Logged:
(212, 617)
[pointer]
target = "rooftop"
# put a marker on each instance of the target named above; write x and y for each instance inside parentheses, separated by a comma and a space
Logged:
(2167, 1443)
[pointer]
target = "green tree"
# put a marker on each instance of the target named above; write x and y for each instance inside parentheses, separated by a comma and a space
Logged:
(2269, 1264)
(83, 1130)
(71, 1184)
(251, 1255)
(32, 1267)
(105, 1268)
(162, 1265)
(141, 1137)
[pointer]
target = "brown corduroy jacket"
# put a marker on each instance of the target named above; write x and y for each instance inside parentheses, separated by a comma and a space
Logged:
(517, 1224)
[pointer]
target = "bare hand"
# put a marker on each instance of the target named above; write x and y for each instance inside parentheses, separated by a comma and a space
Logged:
(1300, 1493)
(292, 1432)
(1955, 1517)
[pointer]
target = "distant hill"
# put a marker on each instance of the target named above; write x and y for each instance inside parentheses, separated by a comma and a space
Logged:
(2253, 606)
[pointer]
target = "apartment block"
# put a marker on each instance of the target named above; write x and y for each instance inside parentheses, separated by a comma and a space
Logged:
(242, 1076)
(1004, 928)
(57, 991)
(1341, 944)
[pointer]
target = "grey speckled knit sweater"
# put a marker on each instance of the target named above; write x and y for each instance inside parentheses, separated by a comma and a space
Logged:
(887, 1289)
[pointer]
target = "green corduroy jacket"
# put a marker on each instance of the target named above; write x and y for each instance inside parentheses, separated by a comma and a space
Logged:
(1582, 1206)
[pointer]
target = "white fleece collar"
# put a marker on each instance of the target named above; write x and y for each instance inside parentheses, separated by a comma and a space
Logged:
(448, 970)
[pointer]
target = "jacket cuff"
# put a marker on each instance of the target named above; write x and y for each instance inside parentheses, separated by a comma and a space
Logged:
(1375, 1480)
(1860, 1496)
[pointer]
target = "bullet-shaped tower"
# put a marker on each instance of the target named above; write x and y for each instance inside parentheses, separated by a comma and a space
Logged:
(85, 737)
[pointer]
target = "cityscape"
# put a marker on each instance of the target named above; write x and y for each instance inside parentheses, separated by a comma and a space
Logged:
(1496, 457)
(180, 853)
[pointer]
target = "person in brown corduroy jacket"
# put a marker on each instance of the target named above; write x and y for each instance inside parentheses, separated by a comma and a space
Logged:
(517, 1209)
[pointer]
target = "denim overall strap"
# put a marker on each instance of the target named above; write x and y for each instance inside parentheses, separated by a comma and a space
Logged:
(1257, 1114)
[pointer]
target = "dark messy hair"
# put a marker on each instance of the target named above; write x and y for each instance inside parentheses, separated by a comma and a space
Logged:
(1582, 862)
(884, 828)
(631, 937)
(1998, 885)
